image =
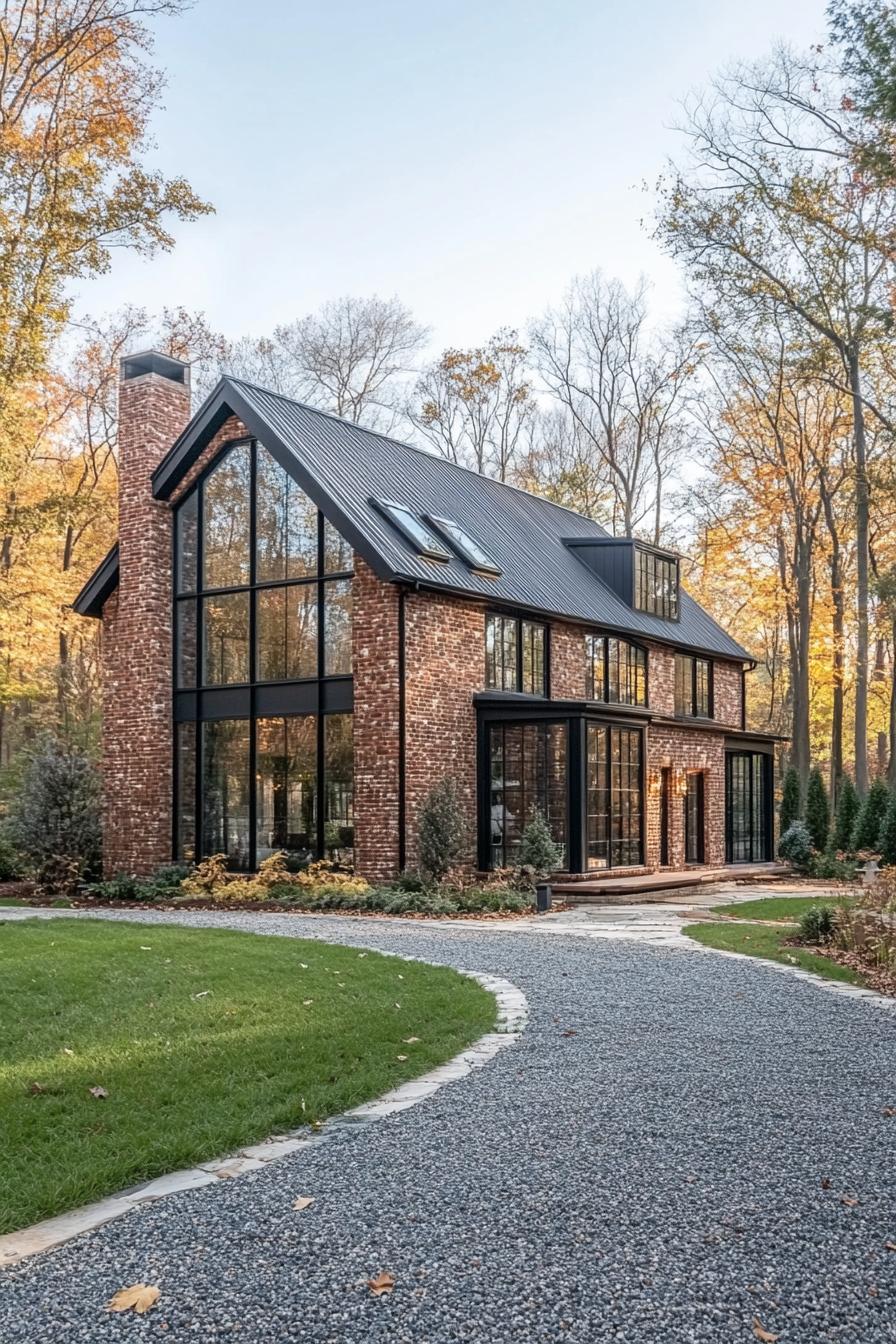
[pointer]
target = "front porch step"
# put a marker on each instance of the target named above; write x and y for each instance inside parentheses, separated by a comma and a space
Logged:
(658, 887)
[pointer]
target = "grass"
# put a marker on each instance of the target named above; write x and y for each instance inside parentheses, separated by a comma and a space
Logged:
(758, 941)
(203, 1039)
(774, 907)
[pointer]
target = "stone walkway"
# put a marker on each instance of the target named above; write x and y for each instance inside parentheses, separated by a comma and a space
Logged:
(679, 1145)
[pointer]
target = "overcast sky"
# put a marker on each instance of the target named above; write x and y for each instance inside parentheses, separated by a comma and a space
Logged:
(469, 157)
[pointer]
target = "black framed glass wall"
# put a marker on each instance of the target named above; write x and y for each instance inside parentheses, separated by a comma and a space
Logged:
(262, 664)
(614, 796)
(748, 807)
(527, 777)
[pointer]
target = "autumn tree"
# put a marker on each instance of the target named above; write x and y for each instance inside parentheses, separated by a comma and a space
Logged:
(622, 389)
(474, 405)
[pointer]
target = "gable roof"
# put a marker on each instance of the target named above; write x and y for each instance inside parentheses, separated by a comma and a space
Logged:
(344, 468)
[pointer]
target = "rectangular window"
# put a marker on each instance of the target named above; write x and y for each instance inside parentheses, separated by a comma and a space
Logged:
(286, 786)
(515, 654)
(225, 790)
(693, 687)
(615, 671)
(339, 775)
(656, 584)
(527, 777)
(613, 797)
(337, 627)
(286, 632)
(225, 639)
(187, 544)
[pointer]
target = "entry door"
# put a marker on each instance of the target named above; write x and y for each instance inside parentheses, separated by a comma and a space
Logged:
(748, 830)
(694, 820)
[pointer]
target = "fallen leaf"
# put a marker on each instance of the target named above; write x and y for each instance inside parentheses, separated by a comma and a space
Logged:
(890, 1110)
(401, 977)
(825, 1182)
(401, 1057)
(66, 1051)
(410, 1040)
(307, 1002)
(890, 1245)
(849, 1200)
(361, 954)
(873, 1292)
(201, 995)
(303, 1202)
(99, 1093)
(569, 1032)
(383, 1283)
(139, 1298)
(398, 1005)
(761, 1333)
(37, 1089)
(304, 965)
(145, 948)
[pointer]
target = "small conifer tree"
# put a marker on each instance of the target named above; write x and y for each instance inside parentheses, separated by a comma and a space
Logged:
(441, 832)
(790, 801)
(871, 814)
(538, 848)
(847, 811)
(886, 840)
(56, 816)
(818, 812)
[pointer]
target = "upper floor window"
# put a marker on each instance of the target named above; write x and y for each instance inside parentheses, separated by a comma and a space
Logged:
(615, 671)
(656, 584)
(515, 654)
(693, 687)
(263, 588)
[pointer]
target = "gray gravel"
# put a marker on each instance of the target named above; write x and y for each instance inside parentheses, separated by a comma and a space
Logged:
(655, 1176)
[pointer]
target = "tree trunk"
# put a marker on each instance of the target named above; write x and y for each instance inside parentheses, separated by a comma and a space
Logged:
(862, 568)
(891, 764)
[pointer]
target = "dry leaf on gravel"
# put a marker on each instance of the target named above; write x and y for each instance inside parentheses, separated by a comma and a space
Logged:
(98, 1093)
(303, 1202)
(825, 1182)
(761, 1333)
(849, 1200)
(890, 1110)
(381, 1284)
(890, 1245)
(569, 1032)
(139, 1298)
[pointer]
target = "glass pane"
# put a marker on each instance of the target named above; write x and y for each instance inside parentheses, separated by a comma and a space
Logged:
(683, 684)
(339, 773)
(597, 815)
(185, 800)
(491, 665)
(286, 786)
(225, 637)
(185, 641)
(595, 667)
(625, 797)
(187, 542)
(338, 555)
(286, 620)
(225, 790)
(337, 627)
(528, 775)
(533, 658)
(285, 524)
(506, 653)
(701, 706)
(225, 539)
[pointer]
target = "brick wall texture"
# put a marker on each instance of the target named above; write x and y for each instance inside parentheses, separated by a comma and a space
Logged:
(444, 668)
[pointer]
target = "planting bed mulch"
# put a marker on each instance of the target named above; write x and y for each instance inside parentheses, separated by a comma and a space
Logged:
(876, 977)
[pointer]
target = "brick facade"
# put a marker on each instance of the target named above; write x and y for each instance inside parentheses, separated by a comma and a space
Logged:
(137, 727)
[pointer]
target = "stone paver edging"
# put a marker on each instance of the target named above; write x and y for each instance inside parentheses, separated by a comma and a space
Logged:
(512, 1016)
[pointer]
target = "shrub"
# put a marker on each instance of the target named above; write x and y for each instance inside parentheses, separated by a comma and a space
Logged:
(206, 876)
(795, 846)
(57, 812)
(818, 924)
(831, 866)
(847, 811)
(170, 875)
(59, 876)
(539, 852)
(818, 812)
(790, 801)
(866, 830)
(886, 836)
(441, 832)
(11, 865)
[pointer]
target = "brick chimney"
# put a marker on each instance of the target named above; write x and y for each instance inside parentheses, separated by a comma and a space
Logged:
(153, 409)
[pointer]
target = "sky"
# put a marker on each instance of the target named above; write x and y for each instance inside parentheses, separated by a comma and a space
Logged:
(469, 157)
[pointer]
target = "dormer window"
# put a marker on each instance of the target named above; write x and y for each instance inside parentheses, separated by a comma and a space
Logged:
(656, 583)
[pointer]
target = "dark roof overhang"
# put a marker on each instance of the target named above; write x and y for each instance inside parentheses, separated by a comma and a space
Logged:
(99, 587)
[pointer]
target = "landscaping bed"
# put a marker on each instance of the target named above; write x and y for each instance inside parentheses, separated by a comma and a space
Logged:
(133, 1050)
(773, 944)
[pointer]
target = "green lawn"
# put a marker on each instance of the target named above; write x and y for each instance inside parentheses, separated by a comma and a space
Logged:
(757, 940)
(203, 1039)
(775, 907)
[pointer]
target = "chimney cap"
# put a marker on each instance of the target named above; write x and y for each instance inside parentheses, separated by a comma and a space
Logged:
(153, 361)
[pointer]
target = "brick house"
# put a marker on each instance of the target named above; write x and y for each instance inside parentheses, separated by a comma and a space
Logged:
(307, 624)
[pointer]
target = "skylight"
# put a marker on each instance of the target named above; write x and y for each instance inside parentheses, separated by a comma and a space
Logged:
(468, 549)
(412, 529)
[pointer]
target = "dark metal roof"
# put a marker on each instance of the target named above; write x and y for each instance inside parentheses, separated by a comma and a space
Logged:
(101, 584)
(344, 468)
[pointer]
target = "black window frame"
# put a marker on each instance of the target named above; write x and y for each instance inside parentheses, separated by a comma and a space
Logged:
(692, 709)
(521, 624)
(646, 569)
(591, 638)
(321, 695)
(467, 547)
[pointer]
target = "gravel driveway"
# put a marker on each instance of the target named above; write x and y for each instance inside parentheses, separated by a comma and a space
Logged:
(648, 1164)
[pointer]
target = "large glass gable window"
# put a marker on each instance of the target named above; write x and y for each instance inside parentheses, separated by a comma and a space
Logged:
(262, 621)
(615, 671)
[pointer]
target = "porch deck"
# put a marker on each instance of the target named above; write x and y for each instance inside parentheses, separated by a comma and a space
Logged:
(641, 887)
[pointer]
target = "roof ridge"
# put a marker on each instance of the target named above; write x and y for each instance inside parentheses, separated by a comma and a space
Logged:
(414, 448)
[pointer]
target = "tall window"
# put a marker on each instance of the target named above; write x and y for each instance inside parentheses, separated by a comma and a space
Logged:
(527, 763)
(656, 584)
(613, 797)
(615, 671)
(263, 618)
(515, 654)
(693, 687)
